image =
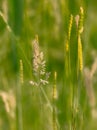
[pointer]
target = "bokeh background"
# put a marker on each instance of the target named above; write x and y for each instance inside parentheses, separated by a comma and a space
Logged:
(49, 20)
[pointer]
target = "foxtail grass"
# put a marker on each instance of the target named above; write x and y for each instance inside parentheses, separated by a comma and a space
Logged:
(74, 87)
(54, 96)
(19, 115)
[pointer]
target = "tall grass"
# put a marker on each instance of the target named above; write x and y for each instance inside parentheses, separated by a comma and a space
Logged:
(46, 74)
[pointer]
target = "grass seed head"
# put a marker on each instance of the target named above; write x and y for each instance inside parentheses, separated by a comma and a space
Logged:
(21, 72)
(80, 57)
(70, 26)
(81, 18)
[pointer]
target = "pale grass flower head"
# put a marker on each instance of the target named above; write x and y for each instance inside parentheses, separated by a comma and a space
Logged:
(39, 65)
(9, 102)
(77, 20)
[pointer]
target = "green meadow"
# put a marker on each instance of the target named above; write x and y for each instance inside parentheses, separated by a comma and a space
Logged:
(48, 65)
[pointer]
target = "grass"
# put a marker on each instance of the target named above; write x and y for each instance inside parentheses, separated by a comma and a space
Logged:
(47, 80)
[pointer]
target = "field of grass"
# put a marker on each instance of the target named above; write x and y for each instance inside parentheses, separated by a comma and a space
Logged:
(48, 65)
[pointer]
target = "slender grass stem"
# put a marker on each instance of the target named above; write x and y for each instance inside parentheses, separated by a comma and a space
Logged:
(19, 108)
(50, 106)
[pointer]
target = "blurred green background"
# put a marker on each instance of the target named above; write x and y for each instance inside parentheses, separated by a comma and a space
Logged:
(49, 20)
